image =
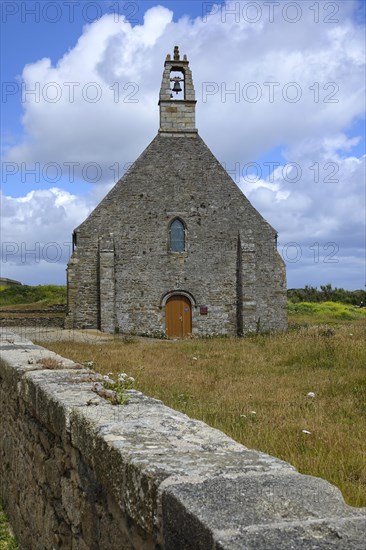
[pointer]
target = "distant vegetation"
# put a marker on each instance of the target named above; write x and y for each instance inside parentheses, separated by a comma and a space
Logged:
(325, 311)
(326, 294)
(24, 294)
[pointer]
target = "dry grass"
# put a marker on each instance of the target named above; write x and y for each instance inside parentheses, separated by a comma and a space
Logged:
(255, 389)
(50, 363)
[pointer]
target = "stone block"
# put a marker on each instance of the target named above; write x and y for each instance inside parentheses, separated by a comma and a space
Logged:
(258, 511)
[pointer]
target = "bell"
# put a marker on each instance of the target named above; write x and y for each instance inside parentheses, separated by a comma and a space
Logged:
(176, 87)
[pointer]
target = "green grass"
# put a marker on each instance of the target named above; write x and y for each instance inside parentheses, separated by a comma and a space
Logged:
(7, 541)
(304, 314)
(24, 294)
(324, 311)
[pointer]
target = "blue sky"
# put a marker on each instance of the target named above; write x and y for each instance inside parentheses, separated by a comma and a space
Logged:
(280, 93)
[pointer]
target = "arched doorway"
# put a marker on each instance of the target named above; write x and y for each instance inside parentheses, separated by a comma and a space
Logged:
(178, 316)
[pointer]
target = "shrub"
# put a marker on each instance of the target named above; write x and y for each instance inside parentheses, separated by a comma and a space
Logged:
(25, 294)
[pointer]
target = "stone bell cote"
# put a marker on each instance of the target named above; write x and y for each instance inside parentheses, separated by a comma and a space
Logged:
(177, 98)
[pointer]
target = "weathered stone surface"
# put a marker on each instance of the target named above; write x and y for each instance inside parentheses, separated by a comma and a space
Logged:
(143, 476)
(329, 534)
(242, 508)
(7, 320)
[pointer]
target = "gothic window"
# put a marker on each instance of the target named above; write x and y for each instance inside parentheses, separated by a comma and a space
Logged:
(177, 236)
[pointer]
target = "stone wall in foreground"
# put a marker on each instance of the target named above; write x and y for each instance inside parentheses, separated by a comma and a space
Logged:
(79, 473)
(48, 316)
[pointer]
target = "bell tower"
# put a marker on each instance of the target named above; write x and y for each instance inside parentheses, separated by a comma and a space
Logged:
(177, 98)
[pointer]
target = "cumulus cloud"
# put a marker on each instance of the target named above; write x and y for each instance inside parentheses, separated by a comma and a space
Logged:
(95, 104)
(261, 86)
(36, 234)
(317, 204)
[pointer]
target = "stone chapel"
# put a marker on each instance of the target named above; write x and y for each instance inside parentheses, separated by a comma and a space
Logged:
(175, 248)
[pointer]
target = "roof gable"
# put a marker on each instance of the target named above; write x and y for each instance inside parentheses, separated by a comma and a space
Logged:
(178, 171)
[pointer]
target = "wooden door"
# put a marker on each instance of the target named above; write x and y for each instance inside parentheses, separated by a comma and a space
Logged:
(178, 316)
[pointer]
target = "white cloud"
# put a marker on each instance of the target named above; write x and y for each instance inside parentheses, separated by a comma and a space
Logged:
(323, 63)
(36, 233)
(322, 213)
(94, 106)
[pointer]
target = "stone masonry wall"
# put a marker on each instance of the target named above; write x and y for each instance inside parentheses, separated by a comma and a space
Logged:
(177, 116)
(32, 321)
(83, 285)
(79, 473)
(177, 177)
(49, 316)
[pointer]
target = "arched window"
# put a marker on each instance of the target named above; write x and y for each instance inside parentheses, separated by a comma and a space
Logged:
(177, 236)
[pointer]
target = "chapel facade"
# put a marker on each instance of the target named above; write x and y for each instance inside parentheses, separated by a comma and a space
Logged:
(175, 248)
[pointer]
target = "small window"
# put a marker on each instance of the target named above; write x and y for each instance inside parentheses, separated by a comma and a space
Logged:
(177, 236)
(74, 240)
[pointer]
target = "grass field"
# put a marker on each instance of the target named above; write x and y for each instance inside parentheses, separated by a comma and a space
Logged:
(255, 388)
(7, 541)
